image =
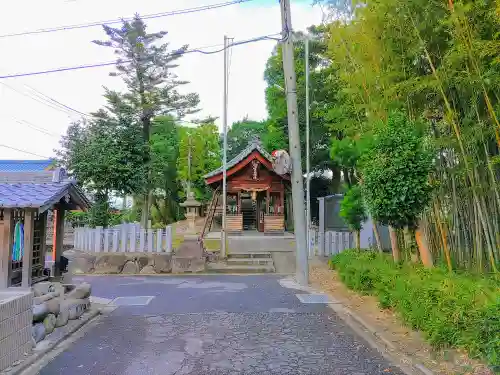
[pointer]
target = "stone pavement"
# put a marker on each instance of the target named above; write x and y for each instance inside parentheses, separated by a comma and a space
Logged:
(220, 324)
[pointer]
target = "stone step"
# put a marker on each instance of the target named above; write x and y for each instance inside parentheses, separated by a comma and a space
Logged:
(248, 255)
(250, 261)
(225, 268)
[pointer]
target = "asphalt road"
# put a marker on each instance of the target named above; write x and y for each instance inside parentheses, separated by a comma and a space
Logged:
(206, 325)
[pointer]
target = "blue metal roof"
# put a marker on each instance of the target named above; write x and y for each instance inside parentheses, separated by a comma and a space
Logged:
(26, 165)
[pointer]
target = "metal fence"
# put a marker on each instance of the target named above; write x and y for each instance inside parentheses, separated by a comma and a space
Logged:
(123, 238)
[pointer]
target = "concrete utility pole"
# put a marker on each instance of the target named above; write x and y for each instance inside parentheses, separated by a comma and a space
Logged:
(188, 187)
(294, 141)
(224, 161)
(308, 161)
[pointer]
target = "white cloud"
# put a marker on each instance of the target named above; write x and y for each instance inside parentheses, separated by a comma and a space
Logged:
(82, 89)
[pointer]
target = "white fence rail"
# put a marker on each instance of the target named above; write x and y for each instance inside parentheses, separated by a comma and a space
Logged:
(124, 238)
(329, 243)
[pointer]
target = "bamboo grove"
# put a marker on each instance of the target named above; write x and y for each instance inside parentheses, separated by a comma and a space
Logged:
(439, 62)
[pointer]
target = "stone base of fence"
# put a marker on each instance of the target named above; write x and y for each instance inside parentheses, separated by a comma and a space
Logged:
(121, 263)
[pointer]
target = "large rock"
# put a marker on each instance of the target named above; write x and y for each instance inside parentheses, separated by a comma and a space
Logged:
(142, 261)
(49, 323)
(131, 268)
(45, 298)
(81, 291)
(148, 270)
(45, 287)
(63, 316)
(75, 307)
(162, 262)
(82, 263)
(53, 306)
(110, 263)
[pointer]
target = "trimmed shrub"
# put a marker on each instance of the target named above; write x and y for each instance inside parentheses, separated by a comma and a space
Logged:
(450, 309)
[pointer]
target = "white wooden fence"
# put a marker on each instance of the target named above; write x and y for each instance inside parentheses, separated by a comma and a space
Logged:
(123, 238)
(329, 243)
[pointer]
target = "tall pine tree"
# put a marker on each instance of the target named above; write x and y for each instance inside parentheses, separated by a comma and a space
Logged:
(145, 65)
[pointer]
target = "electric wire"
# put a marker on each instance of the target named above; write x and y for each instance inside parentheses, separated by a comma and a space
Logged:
(178, 52)
(114, 21)
(24, 151)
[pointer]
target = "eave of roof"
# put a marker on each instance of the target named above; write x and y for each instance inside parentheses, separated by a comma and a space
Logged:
(253, 146)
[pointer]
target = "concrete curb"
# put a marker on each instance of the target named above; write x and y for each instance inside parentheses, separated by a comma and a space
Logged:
(190, 274)
(93, 314)
(376, 340)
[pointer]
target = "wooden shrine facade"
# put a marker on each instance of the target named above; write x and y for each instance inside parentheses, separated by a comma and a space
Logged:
(255, 193)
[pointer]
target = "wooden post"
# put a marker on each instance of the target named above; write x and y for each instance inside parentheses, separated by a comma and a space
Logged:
(268, 200)
(239, 202)
(54, 234)
(282, 201)
(59, 239)
(29, 223)
(43, 236)
(6, 248)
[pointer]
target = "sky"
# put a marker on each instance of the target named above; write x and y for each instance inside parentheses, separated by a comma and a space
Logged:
(30, 124)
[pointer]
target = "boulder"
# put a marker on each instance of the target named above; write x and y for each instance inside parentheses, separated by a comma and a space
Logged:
(82, 263)
(49, 323)
(81, 291)
(45, 287)
(162, 262)
(110, 263)
(148, 270)
(38, 332)
(53, 306)
(63, 316)
(130, 267)
(74, 307)
(40, 312)
(45, 298)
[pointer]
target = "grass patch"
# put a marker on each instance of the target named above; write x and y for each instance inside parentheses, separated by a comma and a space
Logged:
(212, 244)
(450, 309)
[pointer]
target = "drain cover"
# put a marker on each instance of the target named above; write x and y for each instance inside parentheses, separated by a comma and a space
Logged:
(313, 298)
(132, 301)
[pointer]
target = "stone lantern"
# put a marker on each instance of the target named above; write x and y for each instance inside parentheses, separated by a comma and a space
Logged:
(192, 206)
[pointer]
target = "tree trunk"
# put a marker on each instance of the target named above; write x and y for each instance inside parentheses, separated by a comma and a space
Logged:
(377, 237)
(423, 247)
(394, 244)
(358, 239)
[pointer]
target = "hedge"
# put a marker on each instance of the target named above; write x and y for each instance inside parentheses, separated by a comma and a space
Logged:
(450, 309)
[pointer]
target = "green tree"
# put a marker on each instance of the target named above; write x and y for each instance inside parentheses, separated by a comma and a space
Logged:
(396, 170)
(203, 141)
(146, 67)
(105, 155)
(164, 154)
(352, 209)
(241, 133)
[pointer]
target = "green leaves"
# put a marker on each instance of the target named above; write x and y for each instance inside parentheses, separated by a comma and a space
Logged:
(352, 208)
(395, 170)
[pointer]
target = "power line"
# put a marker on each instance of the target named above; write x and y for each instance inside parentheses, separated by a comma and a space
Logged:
(114, 21)
(57, 102)
(26, 152)
(37, 99)
(180, 52)
(37, 128)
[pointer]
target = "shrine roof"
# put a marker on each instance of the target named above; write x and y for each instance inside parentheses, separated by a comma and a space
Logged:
(253, 146)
